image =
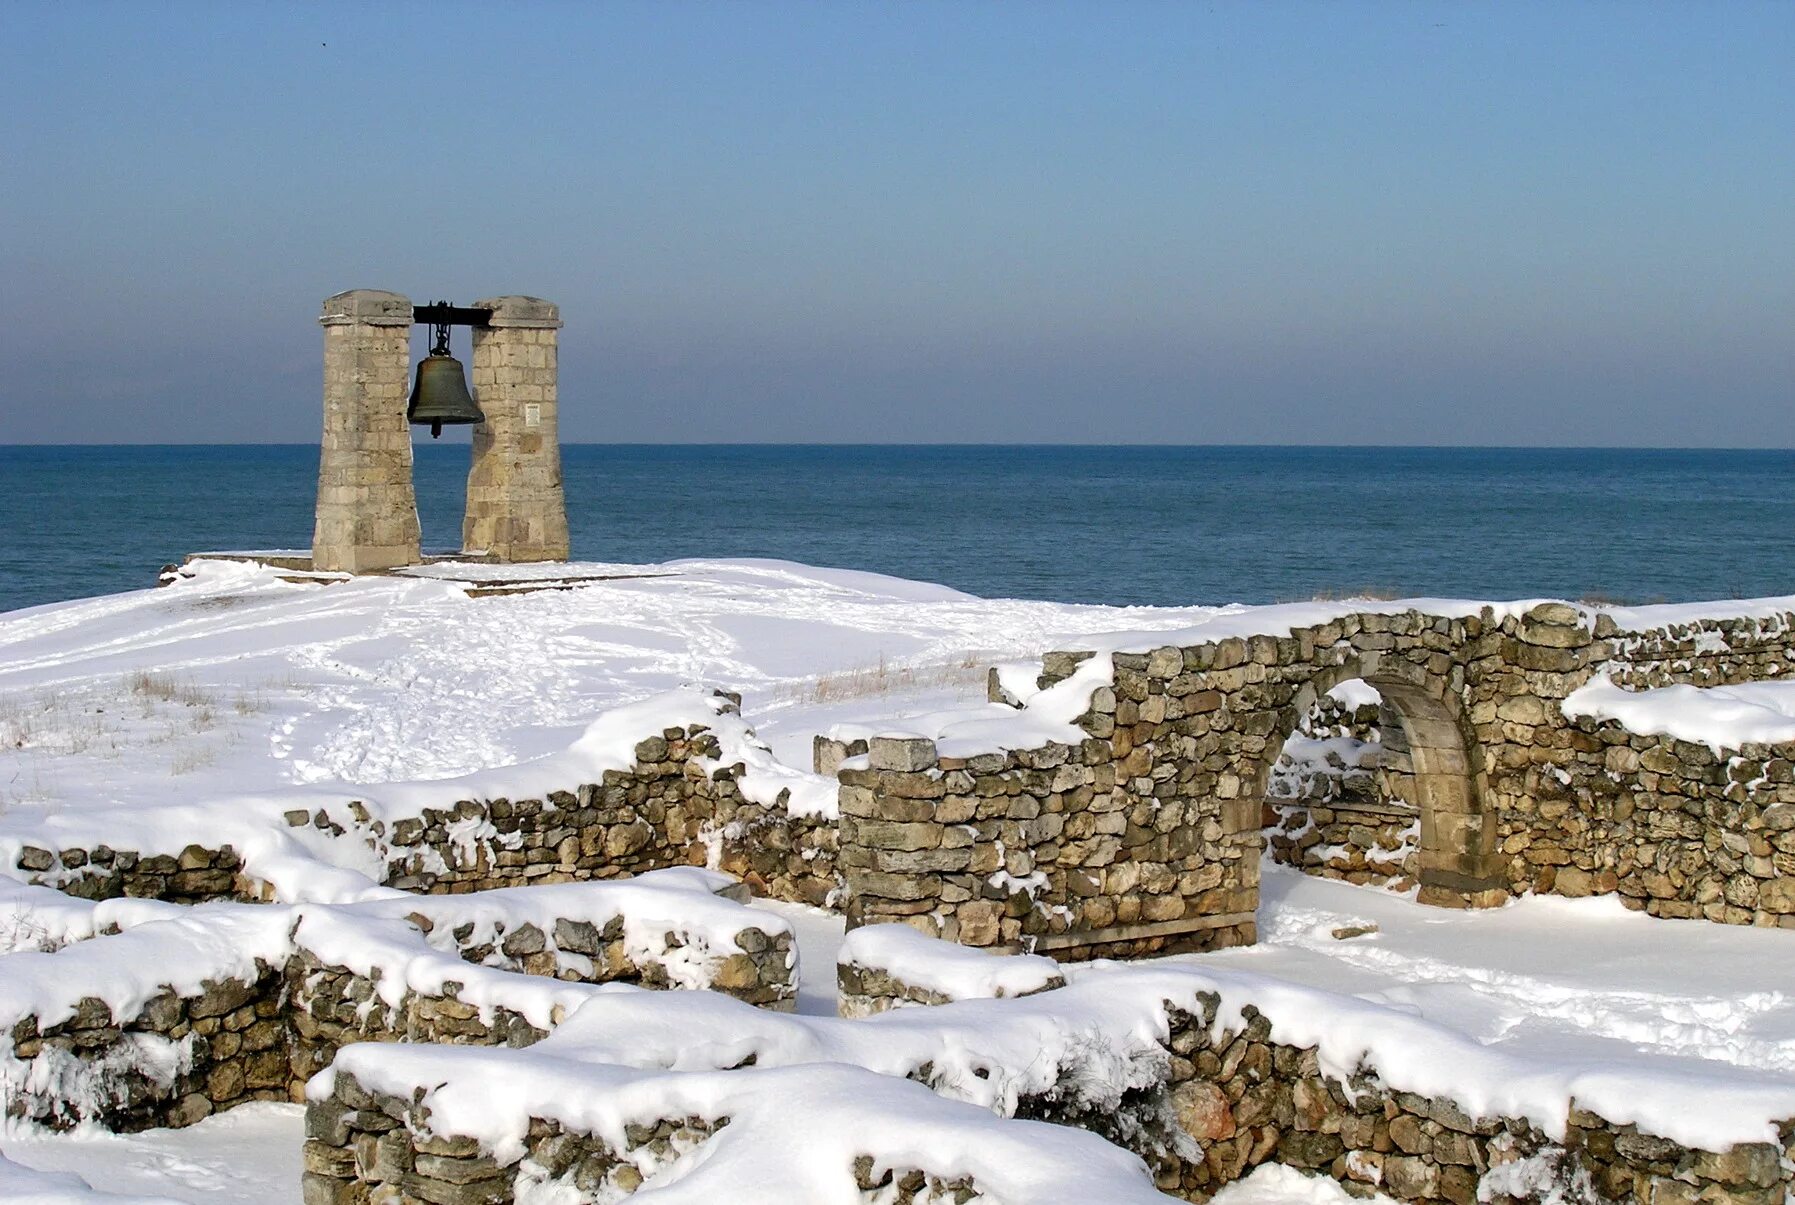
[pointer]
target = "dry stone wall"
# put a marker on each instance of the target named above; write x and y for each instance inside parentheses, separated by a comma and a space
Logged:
(172, 1062)
(882, 975)
(1080, 850)
(1339, 800)
(363, 1145)
(193, 876)
(1675, 828)
(1246, 1099)
(174, 1056)
(332, 1005)
(676, 806)
(1138, 836)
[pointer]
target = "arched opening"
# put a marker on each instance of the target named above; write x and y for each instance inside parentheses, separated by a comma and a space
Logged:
(1395, 799)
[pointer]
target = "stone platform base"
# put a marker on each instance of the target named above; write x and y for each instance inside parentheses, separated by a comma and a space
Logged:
(296, 566)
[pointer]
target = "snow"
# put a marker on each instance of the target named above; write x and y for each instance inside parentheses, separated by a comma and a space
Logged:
(1099, 1037)
(29, 1186)
(1543, 982)
(671, 917)
(1355, 693)
(1721, 717)
(955, 971)
(211, 707)
(214, 704)
(793, 1133)
(126, 970)
(248, 1156)
(1275, 1184)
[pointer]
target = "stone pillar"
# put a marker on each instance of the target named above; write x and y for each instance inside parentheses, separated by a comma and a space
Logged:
(367, 517)
(515, 507)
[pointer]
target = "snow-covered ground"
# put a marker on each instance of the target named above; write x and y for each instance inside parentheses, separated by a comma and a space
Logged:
(236, 683)
(1553, 980)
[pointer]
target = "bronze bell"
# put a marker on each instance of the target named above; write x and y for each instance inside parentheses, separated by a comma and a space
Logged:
(440, 395)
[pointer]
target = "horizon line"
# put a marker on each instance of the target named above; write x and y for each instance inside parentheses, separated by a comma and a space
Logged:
(942, 444)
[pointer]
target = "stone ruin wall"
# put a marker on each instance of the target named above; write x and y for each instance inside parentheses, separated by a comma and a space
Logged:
(174, 1062)
(177, 1060)
(1352, 816)
(1246, 1099)
(1144, 836)
(363, 1145)
(672, 808)
(1155, 817)
(1230, 1100)
(1105, 848)
(331, 1006)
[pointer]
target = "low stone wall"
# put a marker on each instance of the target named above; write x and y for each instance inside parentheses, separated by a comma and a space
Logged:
(672, 808)
(1079, 850)
(1339, 799)
(677, 806)
(173, 1062)
(332, 1005)
(1719, 651)
(1356, 843)
(193, 876)
(1678, 830)
(465, 970)
(363, 1145)
(359, 1143)
(1246, 1099)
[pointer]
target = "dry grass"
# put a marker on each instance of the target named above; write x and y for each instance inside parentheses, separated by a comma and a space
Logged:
(884, 678)
(161, 688)
(22, 930)
(141, 712)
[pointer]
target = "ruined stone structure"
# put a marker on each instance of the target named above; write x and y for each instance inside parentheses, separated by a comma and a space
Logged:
(1216, 1094)
(1246, 1098)
(428, 969)
(367, 517)
(1145, 835)
(1141, 835)
(1344, 808)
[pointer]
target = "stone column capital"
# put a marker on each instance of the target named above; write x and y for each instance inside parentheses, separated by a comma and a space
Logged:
(370, 307)
(521, 312)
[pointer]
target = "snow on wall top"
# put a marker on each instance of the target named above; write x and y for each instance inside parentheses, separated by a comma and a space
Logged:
(164, 946)
(1721, 717)
(1101, 1036)
(303, 863)
(793, 1133)
(955, 971)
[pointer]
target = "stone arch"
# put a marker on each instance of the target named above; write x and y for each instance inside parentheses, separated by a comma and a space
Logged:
(1458, 861)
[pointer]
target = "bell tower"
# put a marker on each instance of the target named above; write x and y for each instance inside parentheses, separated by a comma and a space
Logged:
(367, 514)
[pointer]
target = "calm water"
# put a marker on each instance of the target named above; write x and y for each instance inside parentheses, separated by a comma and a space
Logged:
(1124, 525)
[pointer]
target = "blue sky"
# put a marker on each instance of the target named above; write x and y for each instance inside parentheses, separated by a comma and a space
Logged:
(917, 222)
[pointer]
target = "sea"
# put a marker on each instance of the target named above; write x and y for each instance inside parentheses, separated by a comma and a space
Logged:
(1127, 525)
